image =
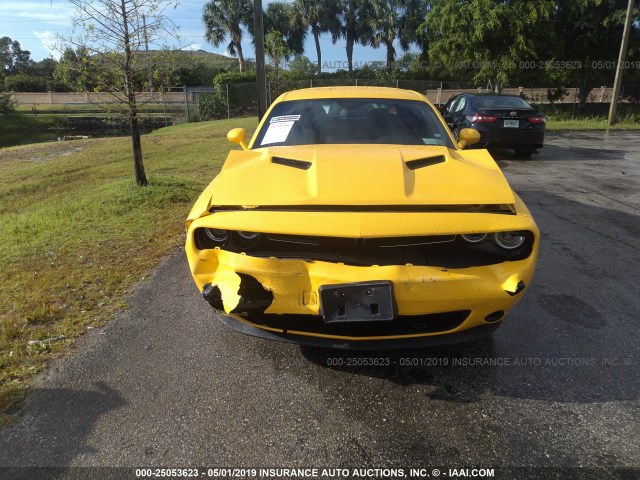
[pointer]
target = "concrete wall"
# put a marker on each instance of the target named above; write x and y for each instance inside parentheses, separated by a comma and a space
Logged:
(58, 98)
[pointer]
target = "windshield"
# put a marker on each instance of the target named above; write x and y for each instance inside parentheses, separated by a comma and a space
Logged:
(352, 121)
(497, 102)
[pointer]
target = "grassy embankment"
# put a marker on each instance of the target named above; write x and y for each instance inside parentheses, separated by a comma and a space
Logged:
(594, 117)
(76, 233)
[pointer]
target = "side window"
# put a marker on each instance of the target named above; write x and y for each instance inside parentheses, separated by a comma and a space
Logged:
(448, 105)
(459, 105)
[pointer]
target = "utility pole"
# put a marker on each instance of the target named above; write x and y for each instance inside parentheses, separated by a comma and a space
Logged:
(261, 78)
(617, 83)
(146, 47)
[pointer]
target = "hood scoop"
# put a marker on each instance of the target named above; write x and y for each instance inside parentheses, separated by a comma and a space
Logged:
(290, 162)
(425, 162)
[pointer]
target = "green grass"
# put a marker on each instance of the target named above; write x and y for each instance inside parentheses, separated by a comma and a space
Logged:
(76, 233)
(594, 123)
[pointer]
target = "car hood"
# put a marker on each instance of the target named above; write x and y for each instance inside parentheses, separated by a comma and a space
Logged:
(359, 175)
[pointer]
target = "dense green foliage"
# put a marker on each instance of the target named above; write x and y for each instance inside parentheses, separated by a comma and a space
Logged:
(280, 17)
(7, 105)
(479, 42)
(18, 72)
(547, 42)
(555, 43)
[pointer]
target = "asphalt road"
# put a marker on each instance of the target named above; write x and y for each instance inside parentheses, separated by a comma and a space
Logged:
(165, 384)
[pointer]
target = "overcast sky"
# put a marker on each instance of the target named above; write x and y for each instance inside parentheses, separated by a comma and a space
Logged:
(35, 23)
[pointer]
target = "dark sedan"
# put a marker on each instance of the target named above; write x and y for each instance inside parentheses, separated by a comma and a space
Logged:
(502, 120)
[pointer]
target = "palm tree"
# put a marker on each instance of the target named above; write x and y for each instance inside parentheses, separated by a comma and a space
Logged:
(279, 17)
(318, 15)
(412, 30)
(353, 25)
(224, 18)
(386, 26)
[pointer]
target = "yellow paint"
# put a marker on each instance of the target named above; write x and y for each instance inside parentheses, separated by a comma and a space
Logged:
(468, 136)
(511, 284)
(418, 289)
(360, 175)
(229, 282)
(238, 136)
(356, 175)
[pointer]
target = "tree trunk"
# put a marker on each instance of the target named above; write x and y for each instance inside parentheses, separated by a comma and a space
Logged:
(391, 54)
(240, 56)
(141, 178)
(316, 37)
(350, 42)
(424, 55)
(585, 90)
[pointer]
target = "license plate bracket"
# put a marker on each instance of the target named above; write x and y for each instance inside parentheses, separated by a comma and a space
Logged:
(357, 302)
(511, 123)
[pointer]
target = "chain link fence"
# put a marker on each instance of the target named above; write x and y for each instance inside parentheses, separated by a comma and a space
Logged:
(192, 104)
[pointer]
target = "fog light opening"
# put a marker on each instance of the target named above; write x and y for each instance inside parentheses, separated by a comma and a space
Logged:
(246, 239)
(509, 240)
(494, 316)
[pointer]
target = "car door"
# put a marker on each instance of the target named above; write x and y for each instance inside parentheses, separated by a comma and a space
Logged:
(456, 116)
(447, 109)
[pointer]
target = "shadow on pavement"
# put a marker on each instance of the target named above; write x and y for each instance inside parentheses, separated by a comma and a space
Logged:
(65, 415)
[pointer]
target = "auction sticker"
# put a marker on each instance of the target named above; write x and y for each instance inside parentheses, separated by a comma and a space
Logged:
(279, 128)
(285, 118)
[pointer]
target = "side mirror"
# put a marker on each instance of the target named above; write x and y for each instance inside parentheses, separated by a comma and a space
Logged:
(238, 136)
(468, 136)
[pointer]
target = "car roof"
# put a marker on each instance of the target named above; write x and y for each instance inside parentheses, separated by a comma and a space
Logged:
(492, 95)
(351, 92)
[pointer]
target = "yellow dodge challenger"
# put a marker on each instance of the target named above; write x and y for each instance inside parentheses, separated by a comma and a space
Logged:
(353, 219)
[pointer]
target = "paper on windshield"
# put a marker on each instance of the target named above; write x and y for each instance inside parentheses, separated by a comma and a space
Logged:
(279, 128)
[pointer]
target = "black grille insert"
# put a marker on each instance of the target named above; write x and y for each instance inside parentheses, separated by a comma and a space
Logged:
(447, 251)
(403, 325)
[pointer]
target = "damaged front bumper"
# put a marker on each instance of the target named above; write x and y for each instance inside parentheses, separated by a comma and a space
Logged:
(280, 298)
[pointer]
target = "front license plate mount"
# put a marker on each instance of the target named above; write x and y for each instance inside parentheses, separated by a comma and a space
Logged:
(357, 302)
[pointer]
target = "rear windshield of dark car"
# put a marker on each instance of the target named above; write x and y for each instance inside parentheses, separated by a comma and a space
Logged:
(352, 121)
(498, 101)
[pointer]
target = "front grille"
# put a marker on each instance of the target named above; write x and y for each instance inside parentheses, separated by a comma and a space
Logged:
(447, 251)
(403, 325)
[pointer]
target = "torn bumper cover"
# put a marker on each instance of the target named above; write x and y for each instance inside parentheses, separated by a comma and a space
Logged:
(283, 298)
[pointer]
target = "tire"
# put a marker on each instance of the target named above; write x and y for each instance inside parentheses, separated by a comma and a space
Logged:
(524, 152)
(456, 134)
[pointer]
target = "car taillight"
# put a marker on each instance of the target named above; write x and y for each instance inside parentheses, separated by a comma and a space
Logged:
(539, 119)
(481, 118)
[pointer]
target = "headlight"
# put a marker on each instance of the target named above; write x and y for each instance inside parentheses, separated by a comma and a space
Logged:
(220, 237)
(509, 240)
(474, 237)
(246, 239)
